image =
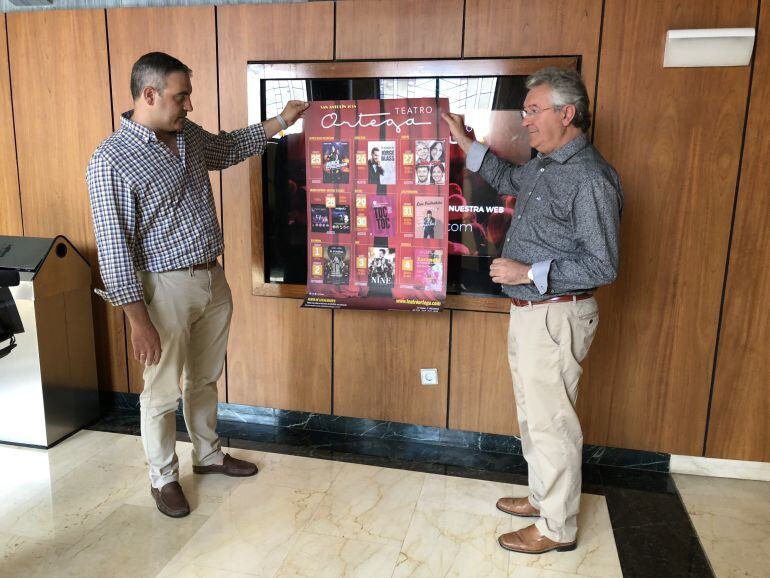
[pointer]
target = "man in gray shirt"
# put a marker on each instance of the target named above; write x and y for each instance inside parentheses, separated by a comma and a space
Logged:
(563, 242)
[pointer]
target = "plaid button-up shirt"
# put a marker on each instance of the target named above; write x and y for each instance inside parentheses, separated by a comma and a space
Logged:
(153, 211)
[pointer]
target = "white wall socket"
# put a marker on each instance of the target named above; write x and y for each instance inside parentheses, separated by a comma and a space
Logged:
(429, 376)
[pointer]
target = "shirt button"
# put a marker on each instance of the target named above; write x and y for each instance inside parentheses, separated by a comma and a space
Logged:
(542, 170)
(519, 217)
(529, 193)
(507, 239)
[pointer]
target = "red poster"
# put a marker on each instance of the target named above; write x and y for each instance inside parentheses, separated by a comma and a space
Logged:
(377, 180)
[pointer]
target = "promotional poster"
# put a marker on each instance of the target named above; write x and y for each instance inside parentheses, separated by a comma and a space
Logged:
(377, 182)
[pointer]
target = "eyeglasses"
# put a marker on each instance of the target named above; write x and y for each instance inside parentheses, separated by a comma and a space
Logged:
(535, 111)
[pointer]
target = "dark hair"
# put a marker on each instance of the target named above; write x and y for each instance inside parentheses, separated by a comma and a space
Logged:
(375, 149)
(152, 69)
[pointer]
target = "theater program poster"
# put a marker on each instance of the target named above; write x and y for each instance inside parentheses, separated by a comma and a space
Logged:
(377, 181)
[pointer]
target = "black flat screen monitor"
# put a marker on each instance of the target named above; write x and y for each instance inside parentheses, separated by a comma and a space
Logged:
(478, 217)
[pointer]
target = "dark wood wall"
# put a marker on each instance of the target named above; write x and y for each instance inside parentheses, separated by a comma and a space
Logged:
(674, 134)
(739, 425)
(676, 137)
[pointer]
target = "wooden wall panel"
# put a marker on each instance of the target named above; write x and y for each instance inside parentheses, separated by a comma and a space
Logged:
(481, 391)
(279, 354)
(62, 110)
(10, 204)
(399, 29)
(675, 146)
(739, 427)
(377, 360)
(543, 28)
(377, 356)
(189, 34)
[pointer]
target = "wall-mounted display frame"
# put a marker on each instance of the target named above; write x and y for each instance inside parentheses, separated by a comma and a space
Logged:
(488, 91)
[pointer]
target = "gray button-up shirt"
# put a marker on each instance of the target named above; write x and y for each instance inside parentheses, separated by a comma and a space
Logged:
(567, 217)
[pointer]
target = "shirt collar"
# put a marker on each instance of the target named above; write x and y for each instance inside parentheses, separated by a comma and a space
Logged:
(566, 152)
(135, 129)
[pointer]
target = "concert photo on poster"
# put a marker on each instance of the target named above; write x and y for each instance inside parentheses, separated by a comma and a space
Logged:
(382, 267)
(336, 265)
(341, 219)
(428, 269)
(429, 220)
(336, 156)
(381, 163)
(381, 219)
(319, 218)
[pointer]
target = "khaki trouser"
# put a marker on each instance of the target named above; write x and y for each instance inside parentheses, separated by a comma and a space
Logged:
(546, 344)
(191, 312)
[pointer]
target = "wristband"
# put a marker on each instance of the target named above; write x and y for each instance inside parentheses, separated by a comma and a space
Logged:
(282, 122)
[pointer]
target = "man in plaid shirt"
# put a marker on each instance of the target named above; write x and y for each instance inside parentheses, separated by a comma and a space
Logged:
(158, 239)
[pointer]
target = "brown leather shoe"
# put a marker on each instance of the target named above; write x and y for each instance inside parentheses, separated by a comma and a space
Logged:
(230, 467)
(170, 500)
(518, 507)
(529, 540)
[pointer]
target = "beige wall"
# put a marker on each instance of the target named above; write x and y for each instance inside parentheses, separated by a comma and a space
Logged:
(676, 137)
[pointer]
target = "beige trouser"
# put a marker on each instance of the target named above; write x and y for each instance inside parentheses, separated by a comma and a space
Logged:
(191, 312)
(546, 344)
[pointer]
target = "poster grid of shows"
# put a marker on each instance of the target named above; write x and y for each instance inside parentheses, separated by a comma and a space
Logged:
(377, 174)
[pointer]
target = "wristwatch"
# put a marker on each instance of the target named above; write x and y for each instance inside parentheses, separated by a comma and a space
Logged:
(530, 275)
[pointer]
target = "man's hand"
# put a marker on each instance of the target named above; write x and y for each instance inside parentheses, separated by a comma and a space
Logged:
(456, 124)
(293, 110)
(144, 337)
(509, 272)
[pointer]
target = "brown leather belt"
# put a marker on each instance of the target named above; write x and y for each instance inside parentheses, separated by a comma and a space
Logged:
(557, 299)
(199, 266)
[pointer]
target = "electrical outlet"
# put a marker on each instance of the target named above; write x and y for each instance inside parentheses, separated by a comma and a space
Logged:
(429, 376)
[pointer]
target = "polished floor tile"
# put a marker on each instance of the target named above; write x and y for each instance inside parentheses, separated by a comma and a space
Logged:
(319, 556)
(84, 509)
(446, 542)
(131, 541)
(732, 519)
(253, 530)
(369, 503)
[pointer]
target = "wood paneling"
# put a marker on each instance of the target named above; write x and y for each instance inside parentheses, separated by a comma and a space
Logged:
(61, 99)
(481, 392)
(279, 354)
(10, 205)
(377, 360)
(675, 147)
(543, 28)
(188, 34)
(739, 427)
(399, 29)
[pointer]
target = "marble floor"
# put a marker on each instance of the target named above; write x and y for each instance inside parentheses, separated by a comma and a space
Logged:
(732, 519)
(83, 509)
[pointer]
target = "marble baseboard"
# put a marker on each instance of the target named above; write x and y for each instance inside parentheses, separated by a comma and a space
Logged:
(718, 468)
(392, 431)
